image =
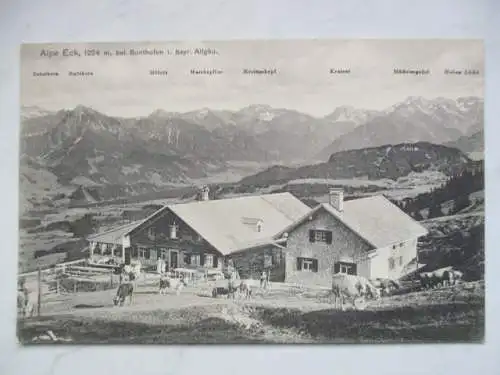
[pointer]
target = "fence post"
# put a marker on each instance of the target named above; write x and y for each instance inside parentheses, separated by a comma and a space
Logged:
(39, 279)
(111, 280)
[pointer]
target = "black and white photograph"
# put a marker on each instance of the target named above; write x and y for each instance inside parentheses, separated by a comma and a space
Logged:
(314, 191)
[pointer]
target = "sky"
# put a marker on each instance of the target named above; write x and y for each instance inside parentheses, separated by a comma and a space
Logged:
(122, 85)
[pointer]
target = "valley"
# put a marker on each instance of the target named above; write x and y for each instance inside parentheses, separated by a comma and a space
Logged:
(82, 171)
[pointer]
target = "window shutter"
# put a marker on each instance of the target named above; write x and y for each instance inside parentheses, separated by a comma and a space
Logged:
(202, 259)
(299, 264)
(216, 261)
(354, 269)
(311, 235)
(329, 237)
(336, 267)
(315, 265)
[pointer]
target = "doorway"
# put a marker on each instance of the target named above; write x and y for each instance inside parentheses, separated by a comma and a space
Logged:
(174, 259)
(127, 254)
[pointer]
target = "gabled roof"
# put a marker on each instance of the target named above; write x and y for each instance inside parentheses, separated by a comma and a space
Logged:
(114, 236)
(225, 223)
(374, 219)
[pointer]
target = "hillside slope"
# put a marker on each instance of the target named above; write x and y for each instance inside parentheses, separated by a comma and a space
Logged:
(469, 144)
(371, 163)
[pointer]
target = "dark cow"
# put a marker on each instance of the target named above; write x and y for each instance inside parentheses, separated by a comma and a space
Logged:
(425, 280)
(175, 284)
(230, 291)
(123, 291)
(220, 291)
(442, 276)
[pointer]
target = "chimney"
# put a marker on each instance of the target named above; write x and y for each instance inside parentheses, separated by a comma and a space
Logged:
(204, 193)
(259, 225)
(337, 199)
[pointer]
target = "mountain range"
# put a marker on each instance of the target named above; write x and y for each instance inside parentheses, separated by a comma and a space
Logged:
(84, 146)
(415, 119)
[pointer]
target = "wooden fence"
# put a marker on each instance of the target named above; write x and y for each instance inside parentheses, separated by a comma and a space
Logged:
(66, 278)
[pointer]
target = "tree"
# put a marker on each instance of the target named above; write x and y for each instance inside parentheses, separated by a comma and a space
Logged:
(418, 216)
(461, 202)
(435, 211)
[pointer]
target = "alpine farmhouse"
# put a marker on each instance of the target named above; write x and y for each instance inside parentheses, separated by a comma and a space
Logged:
(273, 232)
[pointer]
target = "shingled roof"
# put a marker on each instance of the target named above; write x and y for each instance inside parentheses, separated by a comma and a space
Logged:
(115, 235)
(229, 224)
(374, 219)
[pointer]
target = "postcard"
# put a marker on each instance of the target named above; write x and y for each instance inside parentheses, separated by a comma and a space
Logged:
(252, 191)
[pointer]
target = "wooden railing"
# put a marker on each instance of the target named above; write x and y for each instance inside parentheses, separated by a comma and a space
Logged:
(53, 269)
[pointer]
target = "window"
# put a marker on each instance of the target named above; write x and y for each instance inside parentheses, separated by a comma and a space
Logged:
(392, 263)
(401, 244)
(400, 260)
(276, 257)
(345, 267)
(173, 231)
(195, 260)
(320, 236)
(143, 253)
(307, 264)
(209, 260)
(151, 233)
(393, 247)
(106, 249)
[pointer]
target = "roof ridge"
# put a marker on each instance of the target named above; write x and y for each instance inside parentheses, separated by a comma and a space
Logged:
(276, 208)
(135, 222)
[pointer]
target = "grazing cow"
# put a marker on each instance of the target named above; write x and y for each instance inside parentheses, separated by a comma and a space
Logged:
(441, 276)
(175, 284)
(245, 289)
(386, 285)
(232, 287)
(352, 287)
(123, 291)
(219, 291)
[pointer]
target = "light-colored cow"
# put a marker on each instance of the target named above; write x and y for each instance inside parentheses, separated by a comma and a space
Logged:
(352, 287)
(245, 289)
(386, 285)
